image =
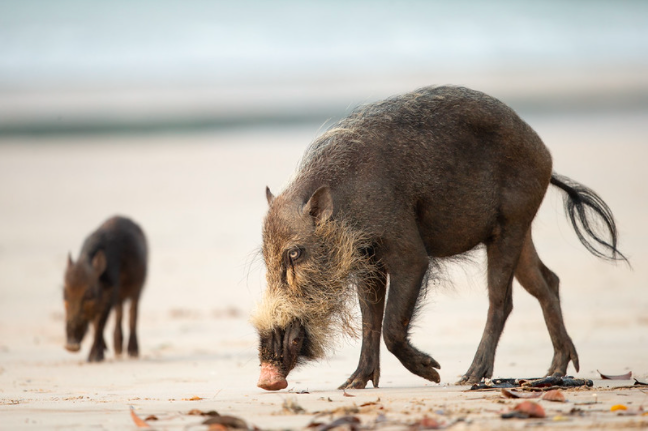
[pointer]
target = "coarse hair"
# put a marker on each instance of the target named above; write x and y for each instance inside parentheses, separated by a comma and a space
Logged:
(323, 296)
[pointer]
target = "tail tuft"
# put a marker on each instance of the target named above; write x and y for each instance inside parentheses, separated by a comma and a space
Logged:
(591, 218)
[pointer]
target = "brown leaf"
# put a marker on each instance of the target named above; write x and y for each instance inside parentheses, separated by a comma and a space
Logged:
(526, 409)
(138, 421)
(226, 421)
(626, 376)
(290, 406)
(555, 395)
(195, 398)
(196, 412)
(352, 422)
(515, 394)
(370, 407)
(151, 418)
(428, 424)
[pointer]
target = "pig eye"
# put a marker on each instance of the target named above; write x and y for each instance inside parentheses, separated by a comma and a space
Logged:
(294, 254)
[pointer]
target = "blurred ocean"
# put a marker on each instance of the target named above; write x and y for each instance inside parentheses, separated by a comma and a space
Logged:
(78, 64)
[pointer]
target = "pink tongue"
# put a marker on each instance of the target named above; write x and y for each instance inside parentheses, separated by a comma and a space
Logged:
(271, 379)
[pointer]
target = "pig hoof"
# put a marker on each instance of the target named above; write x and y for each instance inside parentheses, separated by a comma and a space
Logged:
(355, 384)
(72, 347)
(96, 357)
(433, 376)
(469, 380)
(359, 381)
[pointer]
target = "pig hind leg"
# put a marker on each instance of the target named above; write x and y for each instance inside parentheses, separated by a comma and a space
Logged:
(118, 338)
(543, 284)
(133, 347)
(372, 304)
(503, 252)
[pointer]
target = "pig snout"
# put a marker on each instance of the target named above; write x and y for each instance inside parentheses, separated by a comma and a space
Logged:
(271, 379)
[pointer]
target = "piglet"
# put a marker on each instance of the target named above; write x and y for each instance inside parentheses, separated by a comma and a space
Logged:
(110, 269)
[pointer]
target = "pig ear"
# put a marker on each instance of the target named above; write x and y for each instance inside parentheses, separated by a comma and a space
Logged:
(70, 262)
(99, 262)
(320, 205)
(269, 196)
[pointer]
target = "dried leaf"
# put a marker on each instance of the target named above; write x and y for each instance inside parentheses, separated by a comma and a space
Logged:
(544, 382)
(342, 410)
(196, 412)
(151, 418)
(138, 421)
(345, 394)
(514, 394)
(629, 413)
(370, 407)
(616, 407)
(428, 424)
(290, 406)
(514, 415)
(534, 410)
(555, 395)
(226, 421)
(195, 398)
(626, 376)
(352, 422)
(526, 409)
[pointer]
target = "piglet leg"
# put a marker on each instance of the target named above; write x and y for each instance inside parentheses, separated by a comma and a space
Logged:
(99, 345)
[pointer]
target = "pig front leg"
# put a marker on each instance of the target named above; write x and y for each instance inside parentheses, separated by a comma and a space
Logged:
(99, 345)
(407, 272)
(372, 304)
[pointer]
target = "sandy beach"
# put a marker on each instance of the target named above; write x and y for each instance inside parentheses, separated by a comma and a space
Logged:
(200, 199)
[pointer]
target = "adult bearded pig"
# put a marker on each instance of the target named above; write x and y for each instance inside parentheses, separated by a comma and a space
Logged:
(390, 190)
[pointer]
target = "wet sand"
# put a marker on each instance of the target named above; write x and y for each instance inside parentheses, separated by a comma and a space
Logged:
(200, 199)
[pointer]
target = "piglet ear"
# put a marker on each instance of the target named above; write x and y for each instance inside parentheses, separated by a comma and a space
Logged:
(99, 262)
(269, 196)
(70, 262)
(320, 205)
